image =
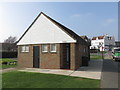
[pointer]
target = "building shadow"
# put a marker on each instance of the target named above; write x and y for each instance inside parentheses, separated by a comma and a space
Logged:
(94, 66)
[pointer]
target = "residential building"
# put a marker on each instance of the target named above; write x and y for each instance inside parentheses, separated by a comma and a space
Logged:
(102, 43)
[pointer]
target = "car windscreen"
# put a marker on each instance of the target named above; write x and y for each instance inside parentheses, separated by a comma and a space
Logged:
(116, 50)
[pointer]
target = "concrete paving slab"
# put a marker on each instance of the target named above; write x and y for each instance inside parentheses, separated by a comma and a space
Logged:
(92, 71)
(52, 71)
(7, 70)
(92, 75)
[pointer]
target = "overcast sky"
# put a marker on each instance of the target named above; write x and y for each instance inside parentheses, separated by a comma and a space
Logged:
(91, 19)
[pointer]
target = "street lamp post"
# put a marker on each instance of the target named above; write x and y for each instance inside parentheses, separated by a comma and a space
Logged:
(101, 45)
(102, 53)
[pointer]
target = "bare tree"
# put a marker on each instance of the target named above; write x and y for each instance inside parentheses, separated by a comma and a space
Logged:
(9, 44)
(10, 39)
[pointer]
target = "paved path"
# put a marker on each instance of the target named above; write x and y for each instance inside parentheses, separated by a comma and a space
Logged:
(92, 71)
(7, 70)
(109, 74)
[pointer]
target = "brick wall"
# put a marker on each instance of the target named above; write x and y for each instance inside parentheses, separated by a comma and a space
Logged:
(72, 56)
(54, 60)
(47, 60)
(50, 60)
(25, 58)
(77, 51)
(78, 55)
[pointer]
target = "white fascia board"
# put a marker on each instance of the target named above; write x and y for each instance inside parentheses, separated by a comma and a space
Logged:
(47, 42)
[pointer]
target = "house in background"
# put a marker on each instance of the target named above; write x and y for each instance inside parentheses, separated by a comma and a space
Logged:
(103, 43)
(47, 44)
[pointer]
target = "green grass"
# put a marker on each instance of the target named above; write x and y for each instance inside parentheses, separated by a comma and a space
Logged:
(6, 60)
(95, 57)
(19, 79)
(8, 66)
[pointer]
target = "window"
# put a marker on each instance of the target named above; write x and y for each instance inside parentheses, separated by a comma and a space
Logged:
(44, 48)
(109, 38)
(27, 48)
(84, 50)
(53, 48)
(24, 48)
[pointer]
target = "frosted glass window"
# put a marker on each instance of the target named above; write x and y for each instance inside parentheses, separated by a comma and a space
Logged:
(44, 48)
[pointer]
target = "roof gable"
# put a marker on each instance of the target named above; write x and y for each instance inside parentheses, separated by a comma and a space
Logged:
(46, 30)
(67, 30)
(84, 37)
(99, 37)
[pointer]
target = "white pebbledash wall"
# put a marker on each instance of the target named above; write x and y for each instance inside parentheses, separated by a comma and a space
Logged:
(105, 41)
(44, 31)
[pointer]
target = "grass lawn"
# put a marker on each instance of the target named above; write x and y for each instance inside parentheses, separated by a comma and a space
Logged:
(95, 57)
(8, 66)
(6, 60)
(17, 79)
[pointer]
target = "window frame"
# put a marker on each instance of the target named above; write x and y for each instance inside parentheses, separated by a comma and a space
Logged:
(25, 50)
(55, 48)
(84, 50)
(42, 48)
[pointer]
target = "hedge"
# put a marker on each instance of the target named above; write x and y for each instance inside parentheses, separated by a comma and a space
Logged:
(8, 54)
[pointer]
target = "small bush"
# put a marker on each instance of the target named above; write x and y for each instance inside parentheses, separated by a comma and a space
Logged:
(4, 62)
(9, 63)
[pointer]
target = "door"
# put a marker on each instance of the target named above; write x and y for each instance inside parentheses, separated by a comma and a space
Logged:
(68, 55)
(36, 56)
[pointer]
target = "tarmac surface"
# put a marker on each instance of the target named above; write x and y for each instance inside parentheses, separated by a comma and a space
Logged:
(110, 73)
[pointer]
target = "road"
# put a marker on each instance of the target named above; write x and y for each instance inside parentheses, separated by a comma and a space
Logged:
(110, 71)
(108, 55)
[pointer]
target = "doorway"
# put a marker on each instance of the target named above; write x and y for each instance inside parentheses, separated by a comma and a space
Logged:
(66, 56)
(36, 56)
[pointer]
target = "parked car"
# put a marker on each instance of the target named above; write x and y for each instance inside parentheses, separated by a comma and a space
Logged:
(116, 53)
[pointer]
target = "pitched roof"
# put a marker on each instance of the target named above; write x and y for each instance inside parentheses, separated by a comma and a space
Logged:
(99, 37)
(94, 38)
(28, 28)
(65, 29)
(84, 37)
